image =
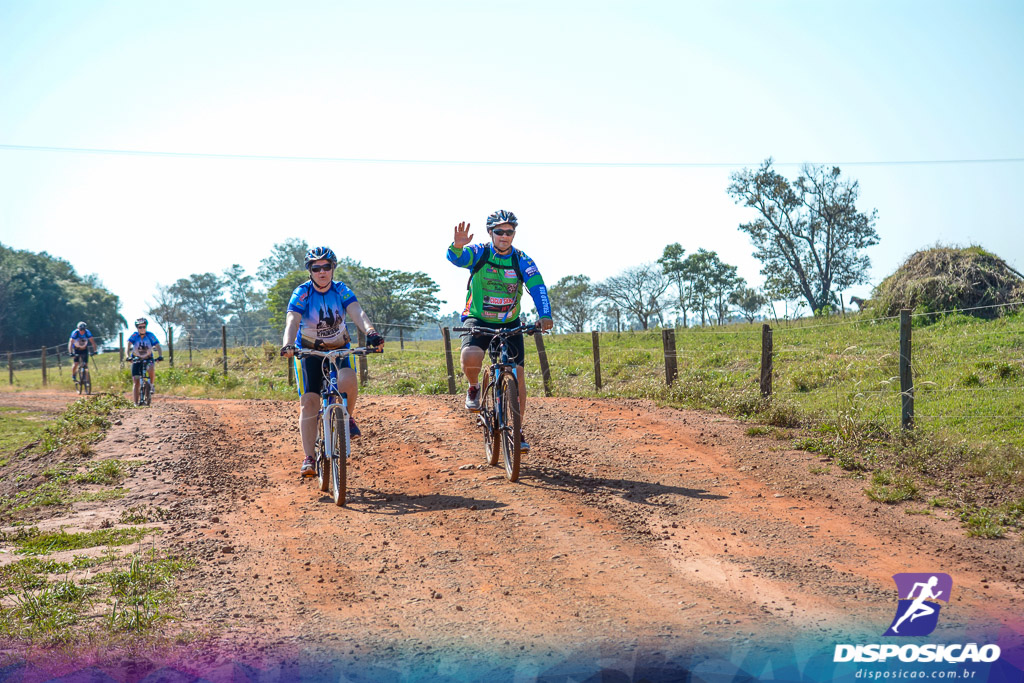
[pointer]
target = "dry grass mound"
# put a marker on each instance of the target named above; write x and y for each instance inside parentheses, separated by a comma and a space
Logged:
(950, 278)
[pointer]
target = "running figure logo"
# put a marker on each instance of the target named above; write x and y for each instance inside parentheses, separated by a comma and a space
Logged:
(918, 613)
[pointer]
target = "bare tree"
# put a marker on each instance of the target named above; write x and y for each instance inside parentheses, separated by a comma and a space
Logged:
(638, 291)
(810, 235)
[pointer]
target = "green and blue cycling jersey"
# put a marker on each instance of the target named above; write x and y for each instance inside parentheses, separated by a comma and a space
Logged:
(323, 315)
(80, 340)
(495, 289)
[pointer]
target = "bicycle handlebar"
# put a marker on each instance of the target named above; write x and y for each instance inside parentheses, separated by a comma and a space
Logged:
(530, 328)
(338, 353)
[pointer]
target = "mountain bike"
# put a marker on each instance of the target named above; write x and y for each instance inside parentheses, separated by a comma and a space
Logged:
(333, 443)
(145, 386)
(499, 415)
(83, 382)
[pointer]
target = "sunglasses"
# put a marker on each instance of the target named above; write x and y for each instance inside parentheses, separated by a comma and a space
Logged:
(140, 327)
(501, 233)
(318, 269)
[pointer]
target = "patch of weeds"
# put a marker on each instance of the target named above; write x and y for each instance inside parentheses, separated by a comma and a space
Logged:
(940, 502)
(138, 592)
(971, 380)
(850, 462)
(982, 522)
(887, 487)
(50, 542)
(817, 469)
(47, 613)
(107, 472)
(757, 431)
(782, 435)
(83, 422)
(912, 511)
(141, 514)
(780, 414)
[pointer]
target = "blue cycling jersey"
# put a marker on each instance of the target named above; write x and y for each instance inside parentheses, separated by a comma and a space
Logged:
(142, 346)
(323, 314)
(80, 340)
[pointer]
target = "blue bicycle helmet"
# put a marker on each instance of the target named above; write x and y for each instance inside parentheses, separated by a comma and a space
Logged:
(502, 216)
(319, 254)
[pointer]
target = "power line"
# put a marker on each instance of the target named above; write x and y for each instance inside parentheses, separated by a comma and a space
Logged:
(484, 162)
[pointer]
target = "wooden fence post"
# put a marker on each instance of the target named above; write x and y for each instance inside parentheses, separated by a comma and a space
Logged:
(170, 347)
(120, 344)
(906, 372)
(446, 333)
(668, 343)
(401, 340)
(543, 355)
(224, 346)
(766, 360)
(597, 360)
(60, 365)
(10, 368)
(43, 359)
(362, 359)
(190, 349)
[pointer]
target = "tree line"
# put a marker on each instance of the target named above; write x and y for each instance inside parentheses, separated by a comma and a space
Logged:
(807, 233)
(255, 305)
(42, 298)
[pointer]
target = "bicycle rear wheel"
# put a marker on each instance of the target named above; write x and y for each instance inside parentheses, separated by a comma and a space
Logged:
(339, 458)
(489, 421)
(87, 381)
(323, 463)
(510, 424)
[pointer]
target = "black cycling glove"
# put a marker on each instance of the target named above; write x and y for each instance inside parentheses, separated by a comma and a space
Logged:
(374, 340)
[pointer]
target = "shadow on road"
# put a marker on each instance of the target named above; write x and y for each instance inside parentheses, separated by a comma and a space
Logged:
(377, 503)
(638, 491)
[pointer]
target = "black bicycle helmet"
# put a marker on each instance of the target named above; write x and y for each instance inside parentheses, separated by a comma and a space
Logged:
(82, 326)
(502, 216)
(319, 254)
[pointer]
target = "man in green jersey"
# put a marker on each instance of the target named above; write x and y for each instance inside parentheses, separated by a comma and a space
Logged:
(498, 273)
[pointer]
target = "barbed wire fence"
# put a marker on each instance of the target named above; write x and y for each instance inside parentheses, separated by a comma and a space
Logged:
(872, 367)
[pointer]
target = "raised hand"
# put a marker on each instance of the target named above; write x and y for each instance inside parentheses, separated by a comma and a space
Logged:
(462, 235)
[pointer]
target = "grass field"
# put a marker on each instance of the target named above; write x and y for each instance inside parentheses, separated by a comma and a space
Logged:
(837, 378)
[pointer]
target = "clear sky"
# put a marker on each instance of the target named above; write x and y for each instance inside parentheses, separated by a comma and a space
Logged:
(544, 98)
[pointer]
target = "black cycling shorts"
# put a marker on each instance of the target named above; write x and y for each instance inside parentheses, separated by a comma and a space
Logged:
(516, 351)
(81, 356)
(140, 369)
(309, 373)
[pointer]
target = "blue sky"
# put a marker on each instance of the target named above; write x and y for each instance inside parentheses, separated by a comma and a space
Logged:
(513, 84)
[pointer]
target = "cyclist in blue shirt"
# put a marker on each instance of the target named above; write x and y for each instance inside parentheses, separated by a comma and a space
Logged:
(143, 344)
(316, 320)
(78, 346)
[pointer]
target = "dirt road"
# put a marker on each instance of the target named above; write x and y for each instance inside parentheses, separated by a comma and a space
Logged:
(647, 527)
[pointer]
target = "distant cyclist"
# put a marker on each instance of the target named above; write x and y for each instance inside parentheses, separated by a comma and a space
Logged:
(78, 347)
(143, 344)
(316, 320)
(497, 275)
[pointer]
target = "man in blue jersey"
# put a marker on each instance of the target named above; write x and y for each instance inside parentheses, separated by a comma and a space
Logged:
(78, 346)
(497, 275)
(316, 319)
(143, 344)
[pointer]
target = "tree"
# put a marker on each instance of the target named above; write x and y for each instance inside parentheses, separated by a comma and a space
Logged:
(679, 271)
(286, 257)
(810, 234)
(637, 291)
(749, 301)
(572, 303)
(391, 297)
(701, 267)
(280, 293)
(199, 300)
(724, 281)
(42, 298)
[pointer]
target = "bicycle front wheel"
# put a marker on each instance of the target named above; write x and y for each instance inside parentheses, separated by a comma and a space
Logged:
(323, 463)
(87, 381)
(510, 424)
(492, 436)
(147, 394)
(339, 458)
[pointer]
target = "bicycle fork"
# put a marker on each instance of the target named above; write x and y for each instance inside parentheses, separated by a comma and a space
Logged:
(329, 427)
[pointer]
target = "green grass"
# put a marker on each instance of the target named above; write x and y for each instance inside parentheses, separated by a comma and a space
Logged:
(19, 430)
(34, 542)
